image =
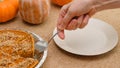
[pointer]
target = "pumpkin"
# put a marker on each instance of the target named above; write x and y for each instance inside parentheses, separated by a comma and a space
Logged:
(61, 2)
(8, 9)
(34, 11)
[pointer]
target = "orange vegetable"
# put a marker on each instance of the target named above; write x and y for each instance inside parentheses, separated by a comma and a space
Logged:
(8, 9)
(34, 11)
(61, 2)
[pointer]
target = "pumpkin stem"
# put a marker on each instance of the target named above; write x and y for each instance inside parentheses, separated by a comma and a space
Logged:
(1, 0)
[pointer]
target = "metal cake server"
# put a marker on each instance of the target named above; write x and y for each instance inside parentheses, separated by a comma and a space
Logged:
(41, 44)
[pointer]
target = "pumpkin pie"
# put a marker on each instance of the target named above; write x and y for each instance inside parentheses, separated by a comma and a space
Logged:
(17, 49)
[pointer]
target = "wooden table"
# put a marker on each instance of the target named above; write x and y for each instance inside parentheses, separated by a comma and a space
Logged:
(58, 58)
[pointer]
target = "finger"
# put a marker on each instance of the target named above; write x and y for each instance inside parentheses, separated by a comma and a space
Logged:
(59, 22)
(72, 25)
(61, 34)
(67, 18)
(61, 16)
(64, 10)
(62, 13)
(80, 19)
(85, 21)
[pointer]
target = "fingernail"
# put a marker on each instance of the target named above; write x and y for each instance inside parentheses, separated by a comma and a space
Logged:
(61, 35)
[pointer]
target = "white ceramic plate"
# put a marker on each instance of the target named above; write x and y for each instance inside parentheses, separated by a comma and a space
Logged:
(96, 38)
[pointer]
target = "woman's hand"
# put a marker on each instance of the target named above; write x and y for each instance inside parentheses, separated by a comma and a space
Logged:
(74, 15)
(77, 13)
